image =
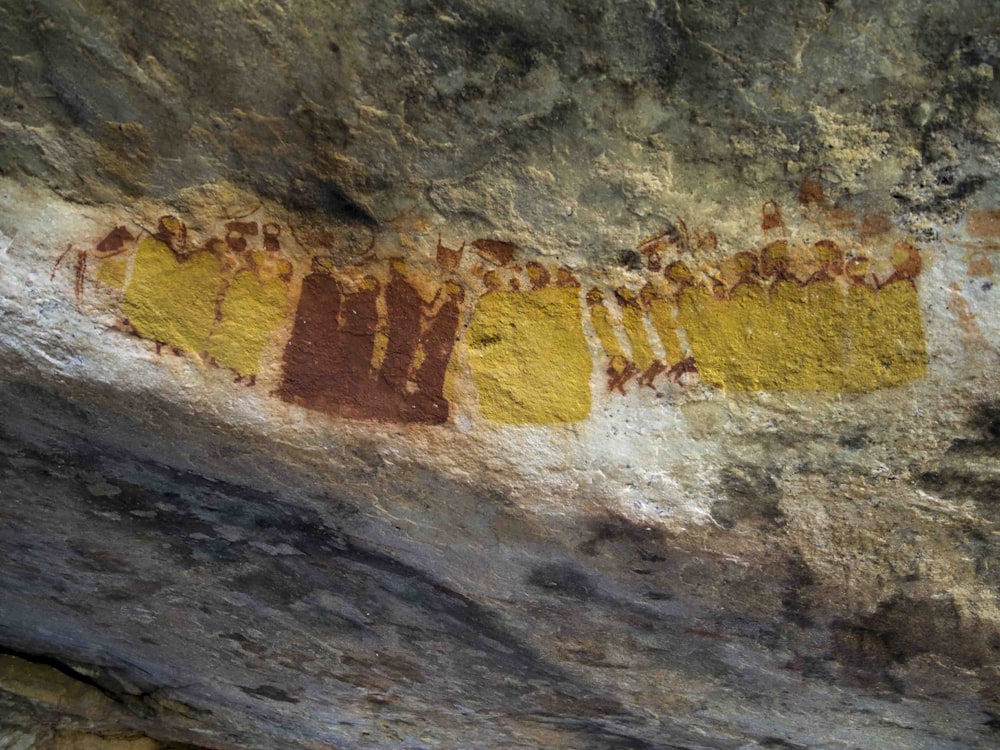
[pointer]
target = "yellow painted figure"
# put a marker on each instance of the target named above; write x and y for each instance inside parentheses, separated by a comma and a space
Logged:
(823, 329)
(620, 369)
(255, 304)
(170, 300)
(529, 357)
(748, 321)
(661, 313)
(791, 339)
(705, 320)
(600, 318)
(899, 345)
(635, 328)
(112, 272)
(864, 369)
(817, 337)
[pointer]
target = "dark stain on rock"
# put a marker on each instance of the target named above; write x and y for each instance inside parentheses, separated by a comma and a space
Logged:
(245, 643)
(863, 654)
(966, 471)
(597, 735)
(985, 421)
(778, 742)
(562, 579)
(751, 493)
(630, 259)
(136, 591)
(796, 601)
(758, 603)
(310, 192)
(614, 528)
(980, 547)
(393, 666)
(903, 628)
(269, 692)
(98, 560)
(854, 440)
(968, 483)
(398, 603)
(965, 188)
(385, 600)
(277, 585)
(658, 596)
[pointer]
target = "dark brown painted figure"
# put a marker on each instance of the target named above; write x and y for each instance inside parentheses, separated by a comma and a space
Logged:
(314, 352)
(331, 362)
(352, 384)
(428, 401)
(405, 309)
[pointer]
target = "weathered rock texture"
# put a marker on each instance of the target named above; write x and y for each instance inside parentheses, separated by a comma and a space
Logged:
(499, 375)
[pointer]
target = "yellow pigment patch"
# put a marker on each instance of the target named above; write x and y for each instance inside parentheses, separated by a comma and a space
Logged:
(705, 322)
(635, 330)
(529, 357)
(171, 301)
(251, 311)
(418, 358)
(111, 272)
(814, 338)
(661, 313)
(897, 346)
(740, 325)
(861, 346)
(600, 318)
(381, 345)
(822, 329)
(782, 341)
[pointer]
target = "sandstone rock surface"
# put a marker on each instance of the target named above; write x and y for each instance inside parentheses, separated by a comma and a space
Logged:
(499, 375)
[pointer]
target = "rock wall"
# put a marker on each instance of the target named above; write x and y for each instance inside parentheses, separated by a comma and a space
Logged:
(595, 374)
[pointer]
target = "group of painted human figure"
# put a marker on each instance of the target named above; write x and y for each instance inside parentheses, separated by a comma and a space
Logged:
(365, 347)
(755, 321)
(221, 301)
(376, 341)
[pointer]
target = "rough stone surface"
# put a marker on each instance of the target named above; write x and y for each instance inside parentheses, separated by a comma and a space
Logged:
(499, 375)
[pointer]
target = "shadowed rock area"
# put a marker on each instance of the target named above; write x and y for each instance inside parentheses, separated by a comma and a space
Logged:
(499, 375)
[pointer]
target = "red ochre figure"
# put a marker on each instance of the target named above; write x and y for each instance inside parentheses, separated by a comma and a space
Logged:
(333, 362)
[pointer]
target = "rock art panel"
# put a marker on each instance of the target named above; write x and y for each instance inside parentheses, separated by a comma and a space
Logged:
(372, 348)
(375, 342)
